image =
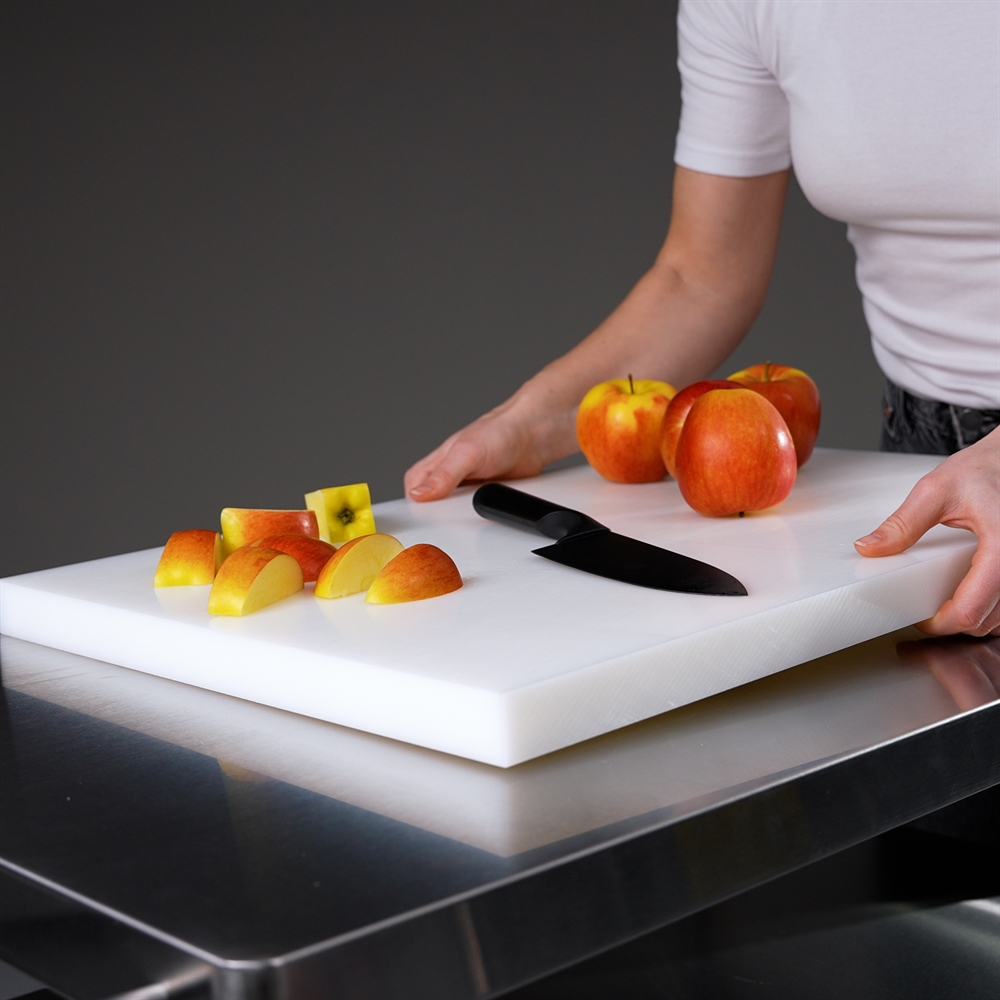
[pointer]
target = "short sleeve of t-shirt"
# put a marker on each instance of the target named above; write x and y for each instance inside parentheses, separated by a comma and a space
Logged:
(734, 118)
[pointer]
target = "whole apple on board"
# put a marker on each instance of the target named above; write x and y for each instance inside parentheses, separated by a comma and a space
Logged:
(735, 454)
(618, 428)
(677, 411)
(795, 396)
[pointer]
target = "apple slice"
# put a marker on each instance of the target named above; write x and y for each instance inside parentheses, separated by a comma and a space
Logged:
(190, 558)
(342, 512)
(419, 572)
(245, 525)
(311, 553)
(356, 565)
(251, 578)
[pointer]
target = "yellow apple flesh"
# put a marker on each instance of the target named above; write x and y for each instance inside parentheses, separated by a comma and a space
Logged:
(251, 578)
(190, 558)
(311, 553)
(342, 512)
(356, 564)
(419, 572)
(246, 525)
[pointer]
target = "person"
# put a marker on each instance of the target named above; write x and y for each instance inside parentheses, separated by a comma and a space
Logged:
(889, 112)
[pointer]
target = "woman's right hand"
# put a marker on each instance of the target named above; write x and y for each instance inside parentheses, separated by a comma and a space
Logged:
(517, 439)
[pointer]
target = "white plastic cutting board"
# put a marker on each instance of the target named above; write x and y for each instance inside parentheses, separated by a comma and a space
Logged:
(529, 656)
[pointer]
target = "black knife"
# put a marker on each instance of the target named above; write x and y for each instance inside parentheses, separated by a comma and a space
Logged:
(584, 544)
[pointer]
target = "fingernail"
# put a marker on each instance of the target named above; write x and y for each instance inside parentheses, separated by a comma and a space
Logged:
(419, 491)
(873, 539)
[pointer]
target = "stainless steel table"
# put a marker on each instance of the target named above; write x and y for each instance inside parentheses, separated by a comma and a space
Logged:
(162, 837)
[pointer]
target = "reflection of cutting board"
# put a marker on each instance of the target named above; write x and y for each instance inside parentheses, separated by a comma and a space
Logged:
(836, 704)
(529, 656)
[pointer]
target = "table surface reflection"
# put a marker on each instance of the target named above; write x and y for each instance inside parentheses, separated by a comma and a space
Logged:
(277, 855)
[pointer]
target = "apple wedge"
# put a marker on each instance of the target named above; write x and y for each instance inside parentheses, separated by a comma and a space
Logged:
(251, 578)
(245, 525)
(311, 553)
(419, 572)
(342, 512)
(190, 558)
(356, 564)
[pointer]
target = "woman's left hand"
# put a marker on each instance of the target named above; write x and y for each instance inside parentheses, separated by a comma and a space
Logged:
(962, 492)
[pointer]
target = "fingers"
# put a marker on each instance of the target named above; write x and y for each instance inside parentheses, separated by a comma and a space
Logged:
(516, 439)
(919, 512)
(975, 608)
(419, 471)
(962, 492)
(437, 475)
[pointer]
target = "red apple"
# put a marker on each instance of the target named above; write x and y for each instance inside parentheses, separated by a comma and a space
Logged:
(677, 411)
(735, 454)
(794, 395)
(618, 427)
(312, 554)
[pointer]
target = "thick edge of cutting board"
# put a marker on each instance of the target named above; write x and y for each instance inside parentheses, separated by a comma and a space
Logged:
(499, 728)
(502, 729)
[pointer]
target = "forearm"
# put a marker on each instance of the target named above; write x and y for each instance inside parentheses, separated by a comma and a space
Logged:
(665, 329)
(688, 312)
(680, 320)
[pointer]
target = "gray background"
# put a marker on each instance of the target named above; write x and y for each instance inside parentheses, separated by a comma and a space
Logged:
(250, 250)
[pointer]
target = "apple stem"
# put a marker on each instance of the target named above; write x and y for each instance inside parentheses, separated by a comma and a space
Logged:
(767, 371)
(743, 513)
(631, 387)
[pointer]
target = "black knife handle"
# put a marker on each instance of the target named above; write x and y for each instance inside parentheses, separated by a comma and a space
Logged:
(509, 506)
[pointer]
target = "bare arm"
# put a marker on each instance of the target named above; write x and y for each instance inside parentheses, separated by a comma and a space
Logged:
(683, 317)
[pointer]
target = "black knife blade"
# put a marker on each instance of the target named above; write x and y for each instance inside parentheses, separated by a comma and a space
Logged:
(585, 544)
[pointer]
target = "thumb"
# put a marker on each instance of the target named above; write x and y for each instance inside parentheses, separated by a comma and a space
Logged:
(457, 463)
(919, 512)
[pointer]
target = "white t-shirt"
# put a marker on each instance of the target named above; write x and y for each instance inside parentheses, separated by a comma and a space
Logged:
(890, 112)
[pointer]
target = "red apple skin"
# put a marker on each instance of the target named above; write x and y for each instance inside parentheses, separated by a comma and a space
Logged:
(677, 411)
(795, 396)
(242, 526)
(417, 573)
(312, 554)
(735, 454)
(189, 558)
(618, 428)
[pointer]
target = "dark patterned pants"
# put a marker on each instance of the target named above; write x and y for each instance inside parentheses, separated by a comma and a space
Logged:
(923, 427)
